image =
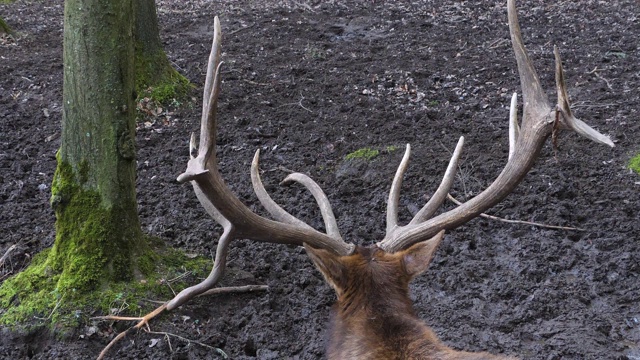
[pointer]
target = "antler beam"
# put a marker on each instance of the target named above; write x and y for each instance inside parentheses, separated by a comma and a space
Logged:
(223, 206)
(526, 141)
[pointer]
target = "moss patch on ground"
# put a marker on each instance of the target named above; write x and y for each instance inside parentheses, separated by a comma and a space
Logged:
(363, 153)
(634, 164)
(99, 262)
(33, 298)
(4, 28)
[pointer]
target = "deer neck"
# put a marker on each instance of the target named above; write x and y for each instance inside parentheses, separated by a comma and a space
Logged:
(373, 309)
(378, 326)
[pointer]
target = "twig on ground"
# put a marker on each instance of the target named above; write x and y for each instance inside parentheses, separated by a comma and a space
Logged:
(595, 72)
(584, 104)
(242, 28)
(6, 254)
(144, 321)
(305, 6)
(254, 82)
(181, 276)
(299, 103)
(167, 335)
(498, 43)
(519, 221)
(154, 301)
(52, 311)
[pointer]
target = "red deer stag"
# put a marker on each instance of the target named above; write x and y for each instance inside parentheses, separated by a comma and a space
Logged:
(374, 317)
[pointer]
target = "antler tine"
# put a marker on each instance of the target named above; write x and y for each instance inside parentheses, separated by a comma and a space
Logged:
(322, 200)
(214, 60)
(218, 199)
(525, 145)
(394, 193)
(281, 214)
(219, 265)
(568, 120)
(514, 128)
(267, 202)
(210, 97)
(393, 230)
(438, 197)
(536, 103)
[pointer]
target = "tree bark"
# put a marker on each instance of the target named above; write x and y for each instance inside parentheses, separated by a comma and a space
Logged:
(146, 29)
(155, 77)
(98, 233)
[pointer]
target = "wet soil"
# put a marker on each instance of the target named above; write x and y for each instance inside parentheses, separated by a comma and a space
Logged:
(309, 83)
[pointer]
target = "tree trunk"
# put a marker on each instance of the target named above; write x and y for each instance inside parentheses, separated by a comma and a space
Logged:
(155, 77)
(98, 232)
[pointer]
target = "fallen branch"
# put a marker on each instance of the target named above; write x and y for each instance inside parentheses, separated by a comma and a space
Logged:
(454, 200)
(144, 320)
(235, 289)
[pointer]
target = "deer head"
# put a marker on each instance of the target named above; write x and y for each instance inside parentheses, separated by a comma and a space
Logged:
(372, 282)
(374, 316)
(360, 278)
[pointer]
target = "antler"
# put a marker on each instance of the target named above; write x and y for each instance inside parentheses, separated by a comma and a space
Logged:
(526, 141)
(238, 220)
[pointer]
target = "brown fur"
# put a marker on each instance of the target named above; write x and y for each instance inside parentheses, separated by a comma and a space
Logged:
(374, 317)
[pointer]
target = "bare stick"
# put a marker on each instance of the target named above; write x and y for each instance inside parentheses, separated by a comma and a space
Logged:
(235, 289)
(6, 254)
(486, 216)
(143, 321)
(167, 335)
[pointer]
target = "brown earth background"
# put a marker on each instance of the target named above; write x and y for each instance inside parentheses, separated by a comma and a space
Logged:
(309, 83)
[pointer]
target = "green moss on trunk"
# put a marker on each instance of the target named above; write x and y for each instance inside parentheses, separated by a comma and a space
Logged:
(92, 245)
(98, 237)
(100, 259)
(155, 77)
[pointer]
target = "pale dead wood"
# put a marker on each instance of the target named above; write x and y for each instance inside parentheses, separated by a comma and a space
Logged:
(235, 290)
(168, 335)
(509, 221)
(7, 253)
(144, 320)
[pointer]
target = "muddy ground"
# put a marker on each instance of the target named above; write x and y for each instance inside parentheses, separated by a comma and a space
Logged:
(309, 83)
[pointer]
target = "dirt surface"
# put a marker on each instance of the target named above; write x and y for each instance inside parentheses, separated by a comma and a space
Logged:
(308, 83)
